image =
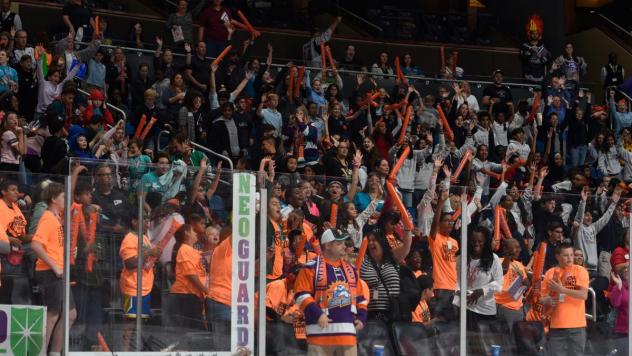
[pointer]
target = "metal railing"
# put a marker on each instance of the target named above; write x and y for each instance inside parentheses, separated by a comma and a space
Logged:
(359, 18)
(593, 296)
(608, 20)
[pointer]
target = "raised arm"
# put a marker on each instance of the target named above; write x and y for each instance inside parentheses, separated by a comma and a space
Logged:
(357, 161)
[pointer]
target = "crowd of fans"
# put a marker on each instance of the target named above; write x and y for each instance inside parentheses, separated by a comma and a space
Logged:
(546, 179)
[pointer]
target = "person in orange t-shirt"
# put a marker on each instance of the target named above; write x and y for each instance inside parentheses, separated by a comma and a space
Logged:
(280, 306)
(509, 306)
(129, 278)
(189, 289)
(422, 313)
(48, 245)
(219, 297)
(565, 289)
(443, 249)
(13, 226)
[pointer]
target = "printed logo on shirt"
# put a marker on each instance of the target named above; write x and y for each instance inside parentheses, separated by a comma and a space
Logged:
(447, 253)
(338, 295)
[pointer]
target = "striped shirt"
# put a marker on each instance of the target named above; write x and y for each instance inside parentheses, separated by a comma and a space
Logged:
(389, 271)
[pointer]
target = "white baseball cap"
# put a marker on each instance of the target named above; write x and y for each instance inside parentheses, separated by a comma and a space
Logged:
(331, 235)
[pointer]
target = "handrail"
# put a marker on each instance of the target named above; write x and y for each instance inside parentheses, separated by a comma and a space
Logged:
(347, 71)
(200, 147)
(607, 19)
(593, 295)
(358, 17)
(108, 104)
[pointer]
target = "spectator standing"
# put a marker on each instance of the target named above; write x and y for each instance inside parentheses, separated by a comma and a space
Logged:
(320, 289)
(198, 67)
(213, 27)
(612, 73)
(311, 49)
(21, 48)
(180, 24)
(565, 289)
(77, 16)
(13, 144)
(570, 65)
(534, 56)
(9, 20)
(619, 298)
(497, 92)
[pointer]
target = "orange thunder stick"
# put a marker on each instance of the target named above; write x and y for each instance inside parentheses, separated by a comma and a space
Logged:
(91, 239)
(446, 127)
(398, 69)
(323, 58)
(141, 124)
(497, 227)
(409, 111)
(102, 343)
(290, 85)
(239, 25)
(223, 54)
(333, 215)
(518, 163)
(148, 128)
(395, 106)
(97, 26)
(299, 81)
(504, 227)
(459, 168)
(332, 64)
(456, 214)
(399, 163)
(251, 29)
(361, 253)
(535, 108)
(400, 206)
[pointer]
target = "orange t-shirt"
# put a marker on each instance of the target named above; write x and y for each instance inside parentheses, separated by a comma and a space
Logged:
(443, 250)
(12, 220)
(280, 243)
(421, 314)
(129, 249)
(188, 263)
(571, 312)
(281, 300)
(50, 233)
(504, 298)
(220, 289)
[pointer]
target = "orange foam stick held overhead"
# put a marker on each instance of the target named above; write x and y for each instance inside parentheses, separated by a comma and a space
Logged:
(449, 135)
(333, 215)
(239, 25)
(456, 215)
(409, 111)
(534, 108)
(408, 224)
(290, 85)
(104, 345)
(459, 168)
(392, 107)
(399, 163)
(398, 69)
(323, 58)
(148, 128)
(223, 54)
(538, 263)
(299, 81)
(332, 64)
(518, 163)
(251, 29)
(97, 26)
(363, 246)
(141, 125)
(497, 227)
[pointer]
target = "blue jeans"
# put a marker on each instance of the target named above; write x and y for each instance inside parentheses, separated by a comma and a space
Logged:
(578, 155)
(218, 322)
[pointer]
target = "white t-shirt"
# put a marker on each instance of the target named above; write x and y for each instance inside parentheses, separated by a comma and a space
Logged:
(490, 282)
(7, 155)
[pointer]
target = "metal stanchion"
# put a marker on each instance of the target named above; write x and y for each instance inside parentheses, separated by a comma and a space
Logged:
(263, 223)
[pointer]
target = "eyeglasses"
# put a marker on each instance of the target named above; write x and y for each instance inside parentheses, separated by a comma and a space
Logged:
(104, 175)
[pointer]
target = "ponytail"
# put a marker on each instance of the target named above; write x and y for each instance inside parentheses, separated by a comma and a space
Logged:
(179, 235)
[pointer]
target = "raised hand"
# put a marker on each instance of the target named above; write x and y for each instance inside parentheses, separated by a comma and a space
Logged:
(544, 171)
(187, 47)
(357, 159)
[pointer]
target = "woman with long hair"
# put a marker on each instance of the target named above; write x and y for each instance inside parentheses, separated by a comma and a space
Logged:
(191, 114)
(399, 245)
(189, 290)
(381, 66)
(370, 153)
(353, 223)
(380, 271)
(484, 280)
(173, 97)
(117, 72)
(13, 145)
(608, 158)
